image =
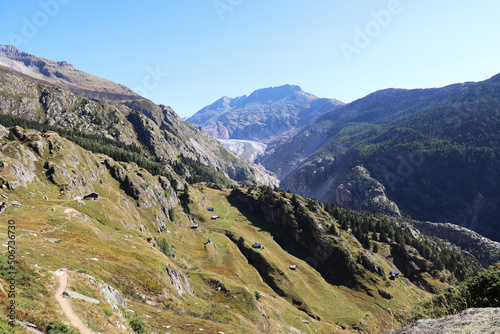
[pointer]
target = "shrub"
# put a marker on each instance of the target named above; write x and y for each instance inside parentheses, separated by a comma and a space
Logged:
(164, 246)
(137, 324)
(55, 327)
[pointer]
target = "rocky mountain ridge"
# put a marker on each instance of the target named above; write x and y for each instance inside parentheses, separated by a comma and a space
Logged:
(112, 111)
(64, 75)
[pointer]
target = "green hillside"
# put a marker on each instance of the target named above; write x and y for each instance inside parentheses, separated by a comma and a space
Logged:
(138, 239)
(435, 153)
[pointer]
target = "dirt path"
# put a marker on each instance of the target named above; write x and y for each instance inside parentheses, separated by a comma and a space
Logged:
(62, 274)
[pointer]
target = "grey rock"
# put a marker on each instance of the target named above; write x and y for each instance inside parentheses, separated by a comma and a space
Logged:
(471, 321)
(486, 251)
(113, 296)
(179, 281)
(38, 147)
(385, 294)
(76, 295)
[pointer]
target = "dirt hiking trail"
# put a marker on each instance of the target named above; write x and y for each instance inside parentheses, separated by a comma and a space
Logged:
(62, 274)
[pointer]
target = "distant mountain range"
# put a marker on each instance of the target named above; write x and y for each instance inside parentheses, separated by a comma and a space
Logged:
(430, 153)
(266, 115)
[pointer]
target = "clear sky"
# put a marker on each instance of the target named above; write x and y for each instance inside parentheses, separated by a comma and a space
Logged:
(187, 54)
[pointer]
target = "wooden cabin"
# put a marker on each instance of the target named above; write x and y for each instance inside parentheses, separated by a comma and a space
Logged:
(293, 267)
(93, 196)
(215, 217)
(257, 246)
(211, 209)
(195, 226)
(393, 275)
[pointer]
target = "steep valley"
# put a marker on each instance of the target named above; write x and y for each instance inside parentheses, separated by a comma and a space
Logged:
(208, 277)
(156, 227)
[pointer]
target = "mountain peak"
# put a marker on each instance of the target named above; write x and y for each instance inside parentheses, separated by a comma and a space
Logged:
(278, 93)
(9, 49)
(63, 74)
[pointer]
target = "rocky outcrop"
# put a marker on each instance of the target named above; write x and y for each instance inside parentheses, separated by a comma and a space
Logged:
(368, 261)
(471, 321)
(179, 281)
(355, 189)
(485, 250)
(18, 161)
(359, 191)
(149, 191)
(113, 297)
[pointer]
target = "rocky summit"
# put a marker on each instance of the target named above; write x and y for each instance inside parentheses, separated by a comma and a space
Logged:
(266, 115)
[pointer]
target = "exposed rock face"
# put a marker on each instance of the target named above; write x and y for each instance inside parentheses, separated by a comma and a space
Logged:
(484, 249)
(361, 192)
(113, 296)
(149, 193)
(179, 281)
(471, 321)
(370, 263)
(18, 162)
(355, 190)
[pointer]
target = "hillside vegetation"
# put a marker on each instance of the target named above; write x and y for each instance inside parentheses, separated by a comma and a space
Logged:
(433, 152)
(137, 241)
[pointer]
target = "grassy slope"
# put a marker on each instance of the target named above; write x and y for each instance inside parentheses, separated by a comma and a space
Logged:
(229, 294)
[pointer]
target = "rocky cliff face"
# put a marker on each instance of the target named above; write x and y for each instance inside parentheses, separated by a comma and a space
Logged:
(329, 182)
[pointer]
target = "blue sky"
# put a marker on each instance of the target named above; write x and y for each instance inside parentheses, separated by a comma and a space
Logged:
(187, 54)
